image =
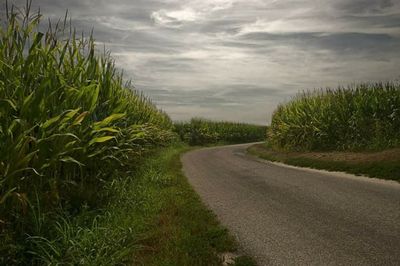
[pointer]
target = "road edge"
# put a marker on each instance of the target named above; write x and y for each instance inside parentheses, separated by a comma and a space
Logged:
(332, 173)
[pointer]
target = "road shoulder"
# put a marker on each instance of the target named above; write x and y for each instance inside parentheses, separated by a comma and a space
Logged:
(380, 165)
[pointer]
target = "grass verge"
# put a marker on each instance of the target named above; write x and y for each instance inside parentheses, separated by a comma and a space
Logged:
(152, 218)
(383, 165)
(183, 231)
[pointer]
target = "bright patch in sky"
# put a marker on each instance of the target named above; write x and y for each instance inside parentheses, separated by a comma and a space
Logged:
(238, 59)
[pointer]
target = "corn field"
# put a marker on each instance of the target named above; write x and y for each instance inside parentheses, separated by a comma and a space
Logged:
(201, 131)
(359, 117)
(67, 120)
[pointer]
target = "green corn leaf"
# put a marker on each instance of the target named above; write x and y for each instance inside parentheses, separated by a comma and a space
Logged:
(10, 103)
(69, 159)
(24, 161)
(37, 40)
(59, 135)
(106, 121)
(95, 97)
(8, 193)
(97, 152)
(101, 140)
(33, 170)
(51, 121)
(106, 129)
(27, 101)
(78, 120)
(70, 144)
(70, 114)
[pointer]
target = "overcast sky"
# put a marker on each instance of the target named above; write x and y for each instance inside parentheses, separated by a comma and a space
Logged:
(238, 59)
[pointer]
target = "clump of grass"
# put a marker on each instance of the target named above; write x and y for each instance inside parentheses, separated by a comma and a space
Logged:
(201, 131)
(68, 124)
(360, 117)
(153, 218)
(244, 261)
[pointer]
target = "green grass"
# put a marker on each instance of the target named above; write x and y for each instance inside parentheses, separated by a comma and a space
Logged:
(152, 218)
(205, 132)
(359, 117)
(380, 169)
(244, 261)
(184, 232)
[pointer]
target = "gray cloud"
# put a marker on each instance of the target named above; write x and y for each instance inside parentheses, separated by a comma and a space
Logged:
(237, 59)
(366, 45)
(364, 6)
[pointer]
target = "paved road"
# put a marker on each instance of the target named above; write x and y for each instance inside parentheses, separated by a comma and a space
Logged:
(289, 216)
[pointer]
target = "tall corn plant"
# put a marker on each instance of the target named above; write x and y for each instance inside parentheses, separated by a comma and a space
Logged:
(364, 116)
(201, 131)
(67, 120)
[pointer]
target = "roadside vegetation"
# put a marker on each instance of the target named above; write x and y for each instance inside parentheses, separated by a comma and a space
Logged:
(360, 117)
(200, 131)
(354, 129)
(68, 127)
(89, 168)
(151, 217)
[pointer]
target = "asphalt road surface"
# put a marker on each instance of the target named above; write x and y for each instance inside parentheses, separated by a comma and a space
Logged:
(289, 216)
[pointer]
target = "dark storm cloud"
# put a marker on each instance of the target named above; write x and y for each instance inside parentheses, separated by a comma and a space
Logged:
(237, 59)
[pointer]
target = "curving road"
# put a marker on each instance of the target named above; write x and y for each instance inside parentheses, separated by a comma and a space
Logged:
(289, 216)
